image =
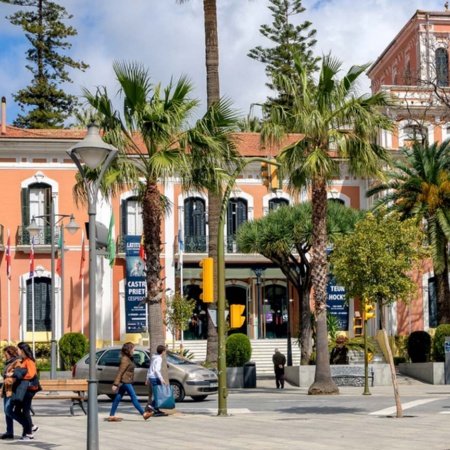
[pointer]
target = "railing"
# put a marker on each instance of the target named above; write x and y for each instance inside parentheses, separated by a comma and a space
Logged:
(195, 244)
(42, 238)
(232, 246)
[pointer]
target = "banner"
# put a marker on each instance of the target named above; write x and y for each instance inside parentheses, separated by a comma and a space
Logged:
(336, 302)
(136, 287)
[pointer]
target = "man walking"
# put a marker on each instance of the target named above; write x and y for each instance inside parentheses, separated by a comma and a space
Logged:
(279, 361)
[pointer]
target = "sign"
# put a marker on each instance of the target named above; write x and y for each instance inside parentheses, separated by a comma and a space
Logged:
(337, 302)
(447, 347)
(135, 288)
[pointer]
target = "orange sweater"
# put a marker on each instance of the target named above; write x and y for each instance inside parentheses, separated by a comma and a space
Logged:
(30, 365)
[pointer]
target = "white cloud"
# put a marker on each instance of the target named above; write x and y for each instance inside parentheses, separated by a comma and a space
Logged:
(168, 38)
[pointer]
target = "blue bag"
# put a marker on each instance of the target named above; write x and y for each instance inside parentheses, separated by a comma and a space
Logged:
(164, 396)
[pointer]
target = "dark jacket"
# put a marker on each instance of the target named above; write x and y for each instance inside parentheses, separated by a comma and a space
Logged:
(278, 359)
(8, 382)
(125, 374)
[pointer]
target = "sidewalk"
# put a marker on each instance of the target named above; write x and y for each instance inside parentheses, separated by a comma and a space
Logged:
(250, 430)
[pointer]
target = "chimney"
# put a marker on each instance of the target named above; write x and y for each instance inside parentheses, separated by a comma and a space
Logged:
(3, 117)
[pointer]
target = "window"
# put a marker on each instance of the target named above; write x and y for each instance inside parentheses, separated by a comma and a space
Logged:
(194, 225)
(441, 60)
(415, 133)
(110, 358)
(36, 201)
(42, 304)
(237, 214)
(336, 200)
(276, 203)
(132, 217)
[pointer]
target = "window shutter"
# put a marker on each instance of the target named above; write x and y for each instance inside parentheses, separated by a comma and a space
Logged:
(124, 217)
(25, 207)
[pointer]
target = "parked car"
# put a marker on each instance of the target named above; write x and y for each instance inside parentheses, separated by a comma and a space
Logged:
(186, 377)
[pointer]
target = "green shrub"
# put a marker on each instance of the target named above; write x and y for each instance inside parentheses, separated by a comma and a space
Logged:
(43, 349)
(439, 340)
(238, 350)
(72, 346)
(419, 346)
(398, 360)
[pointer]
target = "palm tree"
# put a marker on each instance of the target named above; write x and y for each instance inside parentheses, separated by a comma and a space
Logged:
(335, 124)
(284, 236)
(419, 186)
(147, 133)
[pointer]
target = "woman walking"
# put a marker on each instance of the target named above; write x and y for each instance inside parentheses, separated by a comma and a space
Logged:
(12, 361)
(26, 384)
(124, 384)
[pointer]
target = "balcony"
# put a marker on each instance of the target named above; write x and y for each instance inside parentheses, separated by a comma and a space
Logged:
(42, 241)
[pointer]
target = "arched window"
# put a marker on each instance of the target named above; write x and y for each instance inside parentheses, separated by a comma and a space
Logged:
(276, 203)
(237, 214)
(441, 61)
(194, 225)
(131, 217)
(36, 201)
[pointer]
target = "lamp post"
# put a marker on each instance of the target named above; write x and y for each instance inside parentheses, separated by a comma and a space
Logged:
(34, 229)
(288, 328)
(92, 151)
(259, 272)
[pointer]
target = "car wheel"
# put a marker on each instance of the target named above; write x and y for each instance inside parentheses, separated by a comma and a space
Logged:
(178, 391)
(199, 398)
(111, 396)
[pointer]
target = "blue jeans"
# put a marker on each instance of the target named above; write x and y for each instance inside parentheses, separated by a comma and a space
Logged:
(123, 389)
(154, 382)
(8, 415)
(21, 412)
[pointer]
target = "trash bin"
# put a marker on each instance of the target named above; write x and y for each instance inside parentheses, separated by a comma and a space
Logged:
(249, 375)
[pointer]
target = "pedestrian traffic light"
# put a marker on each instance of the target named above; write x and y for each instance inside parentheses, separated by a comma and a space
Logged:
(265, 174)
(369, 311)
(207, 276)
(236, 318)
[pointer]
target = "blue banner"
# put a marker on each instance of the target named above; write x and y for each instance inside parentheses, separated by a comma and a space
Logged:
(135, 288)
(336, 302)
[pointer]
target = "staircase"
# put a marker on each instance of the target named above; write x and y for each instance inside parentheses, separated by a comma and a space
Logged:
(357, 357)
(262, 352)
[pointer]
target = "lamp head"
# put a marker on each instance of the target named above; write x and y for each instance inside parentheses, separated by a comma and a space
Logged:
(33, 228)
(72, 227)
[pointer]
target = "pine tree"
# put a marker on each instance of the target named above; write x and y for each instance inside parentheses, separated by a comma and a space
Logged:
(289, 39)
(43, 23)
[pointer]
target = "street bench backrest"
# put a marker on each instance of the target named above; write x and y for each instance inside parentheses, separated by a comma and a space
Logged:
(64, 385)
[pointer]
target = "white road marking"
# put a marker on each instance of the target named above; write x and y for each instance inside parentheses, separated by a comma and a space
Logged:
(393, 409)
(214, 410)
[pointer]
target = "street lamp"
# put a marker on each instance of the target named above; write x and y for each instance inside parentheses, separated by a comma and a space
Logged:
(259, 272)
(34, 229)
(92, 151)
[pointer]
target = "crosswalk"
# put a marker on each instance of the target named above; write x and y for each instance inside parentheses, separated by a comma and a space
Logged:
(392, 410)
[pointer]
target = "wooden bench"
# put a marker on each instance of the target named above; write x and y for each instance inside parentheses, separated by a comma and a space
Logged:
(74, 390)
(344, 375)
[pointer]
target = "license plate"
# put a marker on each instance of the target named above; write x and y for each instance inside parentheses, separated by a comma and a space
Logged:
(213, 385)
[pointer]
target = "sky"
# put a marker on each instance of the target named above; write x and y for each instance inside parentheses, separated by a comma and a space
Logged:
(168, 39)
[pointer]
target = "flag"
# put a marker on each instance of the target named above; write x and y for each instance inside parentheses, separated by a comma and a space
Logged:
(8, 257)
(142, 249)
(58, 255)
(32, 258)
(111, 242)
(83, 256)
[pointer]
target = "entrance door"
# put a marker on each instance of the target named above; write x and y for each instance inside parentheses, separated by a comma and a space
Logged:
(237, 295)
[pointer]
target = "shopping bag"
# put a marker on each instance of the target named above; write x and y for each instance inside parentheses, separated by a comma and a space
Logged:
(164, 396)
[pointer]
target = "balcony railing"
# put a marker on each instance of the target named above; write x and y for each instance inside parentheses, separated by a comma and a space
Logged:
(195, 244)
(42, 238)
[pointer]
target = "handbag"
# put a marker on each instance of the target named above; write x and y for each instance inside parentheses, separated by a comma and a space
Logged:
(164, 396)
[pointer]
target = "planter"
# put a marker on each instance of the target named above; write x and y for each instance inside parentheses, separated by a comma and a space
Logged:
(429, 372)
(235, 377)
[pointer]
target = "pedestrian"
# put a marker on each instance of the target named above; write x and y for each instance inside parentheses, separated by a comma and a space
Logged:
(124, 384)
(279, 361)
(25, 386)
(12, 361)
(154, 376)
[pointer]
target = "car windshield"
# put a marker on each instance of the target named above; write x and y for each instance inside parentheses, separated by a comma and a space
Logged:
(177, 360)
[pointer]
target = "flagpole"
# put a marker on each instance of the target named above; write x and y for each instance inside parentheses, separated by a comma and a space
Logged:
(180, 261)
(82, 281)
(9, 311)
(8, 274)
(32, 316)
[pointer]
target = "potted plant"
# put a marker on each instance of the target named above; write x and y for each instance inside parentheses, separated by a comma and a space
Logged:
(238, 352)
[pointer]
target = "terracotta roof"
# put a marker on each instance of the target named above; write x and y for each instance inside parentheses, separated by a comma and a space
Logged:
(248, 143)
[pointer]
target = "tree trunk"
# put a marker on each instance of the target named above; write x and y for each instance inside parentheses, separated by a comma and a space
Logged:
(215, 202)
(212, 51)
(398, 403)
(152, 214)
(323, 383)
(213, 95)
(306, 328)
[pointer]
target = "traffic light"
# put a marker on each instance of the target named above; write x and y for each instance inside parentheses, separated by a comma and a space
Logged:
(265, 174)
(274, 176)
(207, 276)
(369, 311)
(236, 318)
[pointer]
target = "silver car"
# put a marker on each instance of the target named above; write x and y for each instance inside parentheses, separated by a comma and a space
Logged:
(186, 377)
